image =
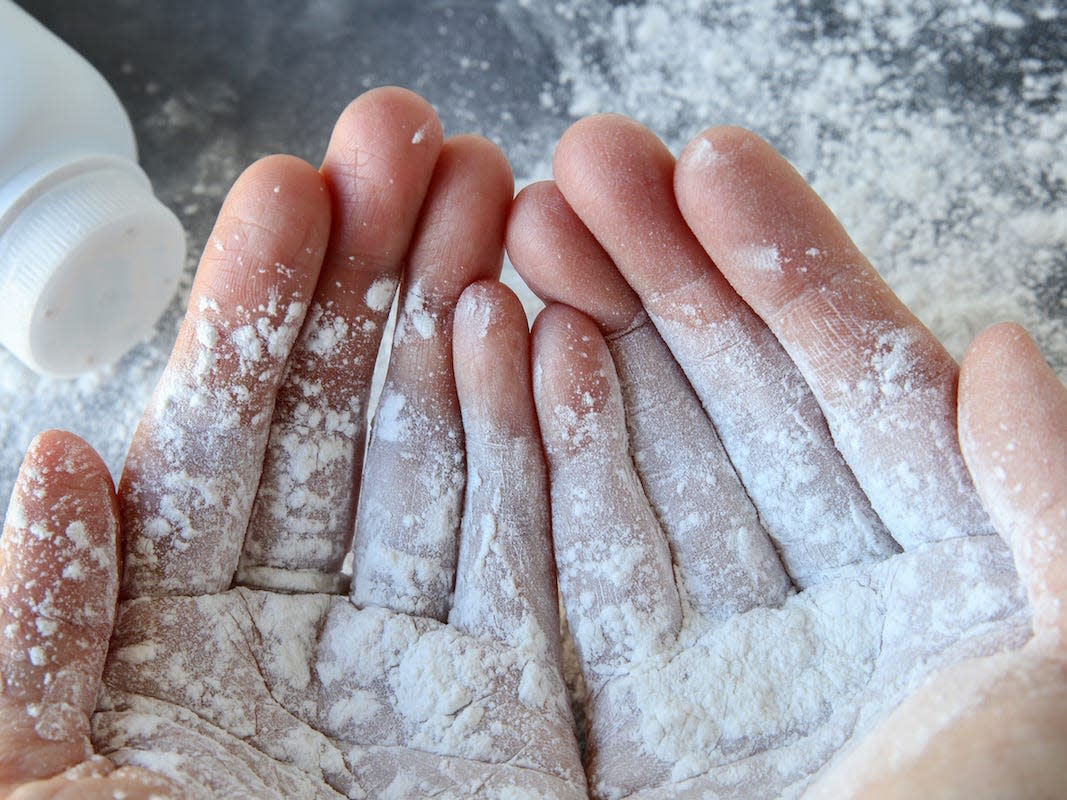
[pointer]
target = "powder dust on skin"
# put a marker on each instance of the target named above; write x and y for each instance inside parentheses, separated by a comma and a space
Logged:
(690, 482)
(301, 523)
(405, 554)
(947, 212)
(195, 471)
(322, 699)
(251, 693)
(244, 692)
(685, 700)
(51, 635)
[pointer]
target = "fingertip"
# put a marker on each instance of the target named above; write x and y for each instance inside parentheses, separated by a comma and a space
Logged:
(999, 344)
(489, 309)
(534, 203)
(460, 235)
(378, 165)
(62, 466)
(394, 110)
(58, 448)
(1005, 386)
(533, 243)
(596, 130)
(285, 181)
(618, 176)
(745, 201)
(1013, 433)
(562, 261)
(485, 158)
(721, 145)
(491, 360)
(575, 386)
(603, 139)
(63, 507)
(272, 230)
(284, 195)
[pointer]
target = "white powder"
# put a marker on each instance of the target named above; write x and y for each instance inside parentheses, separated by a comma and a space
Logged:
(389, 424)
(194, 474)
(775, 433)
(319, 701)
(37, 656)
(380, 294)
(942, 160)
(420, 134)
(416, 318)
(705, 154)
(765, 259)
(949, 187)
(301, 522)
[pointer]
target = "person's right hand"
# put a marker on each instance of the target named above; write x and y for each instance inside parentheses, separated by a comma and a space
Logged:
(765, 531)
(240, 666)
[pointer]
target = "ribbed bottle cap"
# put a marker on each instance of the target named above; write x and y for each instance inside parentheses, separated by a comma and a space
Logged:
(86, 269)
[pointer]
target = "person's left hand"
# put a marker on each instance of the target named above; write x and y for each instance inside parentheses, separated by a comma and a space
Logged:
(239, 665)
(765, 531)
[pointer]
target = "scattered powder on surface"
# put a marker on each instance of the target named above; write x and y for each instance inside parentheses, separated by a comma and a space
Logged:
(765, 259)
(936, 135)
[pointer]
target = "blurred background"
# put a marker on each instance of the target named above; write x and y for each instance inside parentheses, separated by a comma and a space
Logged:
(935, 130)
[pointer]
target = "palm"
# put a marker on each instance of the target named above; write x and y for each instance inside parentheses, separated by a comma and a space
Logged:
(360, 703)
(787, 541)
(239, 665)
(758, 704)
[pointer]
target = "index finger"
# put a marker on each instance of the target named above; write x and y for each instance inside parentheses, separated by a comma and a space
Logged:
(885, 384)
(195, 461)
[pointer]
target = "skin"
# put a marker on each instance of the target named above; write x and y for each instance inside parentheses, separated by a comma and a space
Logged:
(732, 261)
(993, 727)
(202, 591)
(633, 242)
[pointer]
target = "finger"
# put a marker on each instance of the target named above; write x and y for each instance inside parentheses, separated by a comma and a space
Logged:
(191, 475)
(377, 169)
(505, 580)
(97, 779)
(58, 589)
(409, 510)
(725, 563)
(618, 178)
(885, 384)
(1013, 429)
(615, 572)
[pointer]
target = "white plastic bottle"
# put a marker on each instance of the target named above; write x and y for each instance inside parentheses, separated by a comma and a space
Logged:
(89, 258)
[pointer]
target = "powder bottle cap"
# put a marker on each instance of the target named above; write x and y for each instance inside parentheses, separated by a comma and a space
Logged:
(89, 259)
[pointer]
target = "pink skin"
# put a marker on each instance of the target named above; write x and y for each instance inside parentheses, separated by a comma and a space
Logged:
(738, 263)
(680, 279)
(993, 727)
(246, 398)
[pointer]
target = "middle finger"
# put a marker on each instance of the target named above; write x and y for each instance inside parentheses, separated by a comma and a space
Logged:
(409, 513)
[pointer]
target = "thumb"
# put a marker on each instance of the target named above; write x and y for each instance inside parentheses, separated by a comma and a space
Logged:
(1013, 432)
(58, 588)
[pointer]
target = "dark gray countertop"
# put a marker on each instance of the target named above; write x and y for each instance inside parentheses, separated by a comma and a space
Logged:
(935, 129)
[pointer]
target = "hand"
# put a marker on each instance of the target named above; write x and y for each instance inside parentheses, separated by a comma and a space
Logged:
(785, 540)
(992, 727)
(237, 666)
